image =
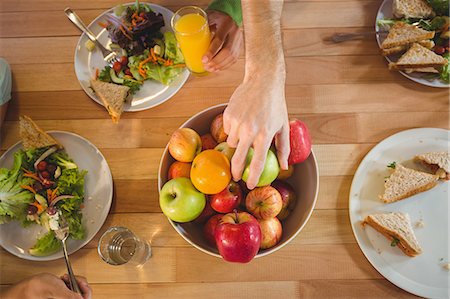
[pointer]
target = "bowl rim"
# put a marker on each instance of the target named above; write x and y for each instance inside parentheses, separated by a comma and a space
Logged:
(267, 251)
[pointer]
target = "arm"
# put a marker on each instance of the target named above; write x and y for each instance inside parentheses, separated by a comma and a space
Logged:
(257, 110)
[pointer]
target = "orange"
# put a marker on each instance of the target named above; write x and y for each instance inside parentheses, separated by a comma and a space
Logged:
(210, 172)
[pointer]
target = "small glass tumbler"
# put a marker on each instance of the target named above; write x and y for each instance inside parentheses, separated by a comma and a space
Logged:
(119, 246)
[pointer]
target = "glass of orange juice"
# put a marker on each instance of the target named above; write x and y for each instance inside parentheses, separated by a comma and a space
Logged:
(191, 28)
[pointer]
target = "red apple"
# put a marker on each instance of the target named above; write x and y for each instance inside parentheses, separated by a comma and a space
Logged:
(287, 196)
(207, 213)
(264, 202)
(179, 169)
(238, 237)
(216, 129)
(228, 199)
(185, 144)
(300, 142)
(285, 174)
(271, 231)
(209, 229)
(208, 142)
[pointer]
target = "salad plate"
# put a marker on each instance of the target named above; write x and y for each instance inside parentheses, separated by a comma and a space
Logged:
(97, 198)
(151, 93)
(425, 275)
(385, 12)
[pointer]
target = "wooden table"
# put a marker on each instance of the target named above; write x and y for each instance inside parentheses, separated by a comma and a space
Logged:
(344, 92)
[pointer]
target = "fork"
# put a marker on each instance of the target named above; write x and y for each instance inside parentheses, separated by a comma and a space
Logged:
(109, 56)
(62, 233)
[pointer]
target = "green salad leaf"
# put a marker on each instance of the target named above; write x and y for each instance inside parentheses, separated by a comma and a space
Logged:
(105, 74)
(62, 159)
(71, 182)
(445, 73)
(440, 7)
(434, 24)
(46, 245)
(14, 199)
(172, 51)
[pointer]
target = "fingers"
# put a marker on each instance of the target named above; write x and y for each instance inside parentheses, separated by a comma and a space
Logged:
(257, 163)
(228, 54)
(282, 143)
(82, 283)
(239, 158)
(216, 43)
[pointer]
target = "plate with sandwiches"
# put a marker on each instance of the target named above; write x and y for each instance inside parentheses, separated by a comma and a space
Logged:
(399, 210)
(51, 177)
(115, 97)
(413, 36)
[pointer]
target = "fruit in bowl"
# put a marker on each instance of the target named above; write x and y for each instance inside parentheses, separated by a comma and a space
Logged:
(185, 144)
(270, 171)
(302, 177)
(264, 202)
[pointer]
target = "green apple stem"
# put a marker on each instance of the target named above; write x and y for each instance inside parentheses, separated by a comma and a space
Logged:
(236, 215)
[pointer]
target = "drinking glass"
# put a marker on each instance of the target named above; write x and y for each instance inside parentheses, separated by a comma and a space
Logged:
(119, 245)
(191, 28)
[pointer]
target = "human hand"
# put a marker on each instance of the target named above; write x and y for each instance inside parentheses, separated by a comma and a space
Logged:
(256, 114)
(82, 283)
(226, 43)
(46, 285)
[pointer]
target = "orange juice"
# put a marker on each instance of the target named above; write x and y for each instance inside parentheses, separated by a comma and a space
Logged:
(193, 36)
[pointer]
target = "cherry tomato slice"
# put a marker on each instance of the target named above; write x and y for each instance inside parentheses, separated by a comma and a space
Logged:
(123, 60)
(117, 66)
(439, 50)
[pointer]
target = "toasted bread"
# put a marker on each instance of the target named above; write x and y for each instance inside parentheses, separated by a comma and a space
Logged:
(437, 162)
(418, 57)
(402, 34)
(416, 9)
(398, 49)
(397, 228)
(33, 136)
(405, 182)
(422, 70)
(113, 97)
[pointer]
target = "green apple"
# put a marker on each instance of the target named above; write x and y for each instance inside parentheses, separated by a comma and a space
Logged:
(270, 171)
(225, 149)
(180, 201)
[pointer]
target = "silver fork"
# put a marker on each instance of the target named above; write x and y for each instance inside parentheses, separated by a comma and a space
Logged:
(62, 233)
(342, 37)
(109, 56)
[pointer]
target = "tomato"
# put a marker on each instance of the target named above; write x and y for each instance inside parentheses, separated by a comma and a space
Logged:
(128, 72)
(42, 166)
(123, 60)
(439, 50)
(210, 172)
(117, 66)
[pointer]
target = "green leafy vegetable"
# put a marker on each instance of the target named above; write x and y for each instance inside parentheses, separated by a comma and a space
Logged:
(392, 165)
(445, 73)
(434, 24)
(105, 75)
(46, 245)
(31, 155)
(71, 182)
(440, 7)
(14, 200)
(63, 160)
(172, 51)
(163, 74)
(395, 242)
(134, 85)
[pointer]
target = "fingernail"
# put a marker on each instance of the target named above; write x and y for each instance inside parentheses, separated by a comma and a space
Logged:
(205, 59)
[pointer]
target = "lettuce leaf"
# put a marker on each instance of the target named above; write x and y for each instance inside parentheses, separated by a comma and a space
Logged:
(445, 73)
(71, 182)
(172, 51)
(163, 74)
(14, 199)
(46, 245)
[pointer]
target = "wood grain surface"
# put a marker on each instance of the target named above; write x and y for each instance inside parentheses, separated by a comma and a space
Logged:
(344, 92)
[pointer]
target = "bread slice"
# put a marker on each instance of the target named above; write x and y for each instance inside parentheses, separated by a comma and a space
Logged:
(422, 70)
(417, 9)
(405, 182)
(113, 97)
(398, 49)
(403, 34)
(33, 136)
(397, 228)
(418, 57)
(437, 162)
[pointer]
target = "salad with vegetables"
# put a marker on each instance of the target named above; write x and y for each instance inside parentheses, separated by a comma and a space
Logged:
(439, 24)
(43, 186)
(149, 54)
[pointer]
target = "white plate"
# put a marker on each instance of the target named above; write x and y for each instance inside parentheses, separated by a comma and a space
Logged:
(98, 188)
(151, 94)
(423, 275)
(385, 12)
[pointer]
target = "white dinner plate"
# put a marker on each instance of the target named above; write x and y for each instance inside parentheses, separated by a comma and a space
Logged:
(98, 186)
(151, 94)
(425, 274)
(385, 12)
